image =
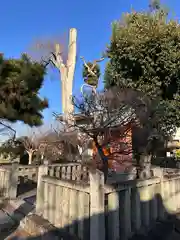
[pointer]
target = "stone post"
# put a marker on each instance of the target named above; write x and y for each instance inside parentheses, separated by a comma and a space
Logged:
(43, 170)
(97, 208)
(13, 183)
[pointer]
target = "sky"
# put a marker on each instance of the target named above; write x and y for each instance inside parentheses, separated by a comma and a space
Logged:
(24, 22)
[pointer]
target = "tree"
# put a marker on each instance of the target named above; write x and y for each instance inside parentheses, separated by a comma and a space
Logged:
(20, 82)
(101, 113)
(7, 130)
(31, 145)
(91, 72)
(38, 144)
(144, 54)
(12, 148)
(50, 147)
(53, 54)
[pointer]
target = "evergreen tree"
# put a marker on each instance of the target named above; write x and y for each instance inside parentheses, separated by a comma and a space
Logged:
(20, 82)
(144, 54)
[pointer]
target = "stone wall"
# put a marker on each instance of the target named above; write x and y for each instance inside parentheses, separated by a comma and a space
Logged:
(116, 211)
(5, 175)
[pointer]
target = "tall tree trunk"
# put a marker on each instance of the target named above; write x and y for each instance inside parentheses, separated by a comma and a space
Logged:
(30, 154)
(67, 72)
(71, 62)
(67, 75)
(42, 158)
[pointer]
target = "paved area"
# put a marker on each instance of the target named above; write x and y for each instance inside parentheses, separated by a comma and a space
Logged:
(9, 227)
(29, 197)
(18, 235)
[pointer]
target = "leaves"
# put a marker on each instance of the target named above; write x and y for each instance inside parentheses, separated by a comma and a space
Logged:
(88, 77)
(20, 82)
(144, 54)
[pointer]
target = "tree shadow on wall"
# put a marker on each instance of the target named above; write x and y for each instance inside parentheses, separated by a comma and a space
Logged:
(154, 222)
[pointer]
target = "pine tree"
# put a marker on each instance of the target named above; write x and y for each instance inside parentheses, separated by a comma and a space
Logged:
(20, 82)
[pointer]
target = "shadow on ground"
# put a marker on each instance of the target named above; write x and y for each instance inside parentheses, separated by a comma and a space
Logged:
(11, 221)
(27, 186)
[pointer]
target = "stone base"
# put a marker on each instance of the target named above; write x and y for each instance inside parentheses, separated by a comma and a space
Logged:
(37, 226)
(161, 230)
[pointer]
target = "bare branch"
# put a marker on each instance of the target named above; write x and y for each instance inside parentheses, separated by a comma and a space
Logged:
(7, 130)
(90, 69)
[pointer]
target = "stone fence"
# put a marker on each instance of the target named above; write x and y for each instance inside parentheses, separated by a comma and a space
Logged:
(28, 171)
(70, 171)
(13, 175)
(96, 210)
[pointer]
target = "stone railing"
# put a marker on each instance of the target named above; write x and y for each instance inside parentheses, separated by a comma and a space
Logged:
(28, 172)
(171, 171)
(13, 174)
(69, 171)
(126, 208)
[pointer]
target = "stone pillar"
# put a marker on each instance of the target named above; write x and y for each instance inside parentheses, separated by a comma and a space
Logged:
(52, 203)
(135, 210)
(43, 170)
(145, 206)
(97, 208)
(13, 183)
(164, 193)
(68, 174)
(153, 205)
(125, 213)
(113, 216)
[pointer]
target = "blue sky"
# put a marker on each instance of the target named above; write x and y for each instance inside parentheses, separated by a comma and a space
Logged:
(23, 22)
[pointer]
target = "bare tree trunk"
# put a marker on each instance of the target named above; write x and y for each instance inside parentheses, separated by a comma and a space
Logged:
(104, 159)
(30, 154)
(71, 62)
(63, 92)
(145, 166)
(67, 72)
(42, 158)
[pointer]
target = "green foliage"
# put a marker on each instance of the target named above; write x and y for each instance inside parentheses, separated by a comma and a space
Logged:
(12, 148)
(144, 54)
(88, 77)
(20, 82)
(178, 153)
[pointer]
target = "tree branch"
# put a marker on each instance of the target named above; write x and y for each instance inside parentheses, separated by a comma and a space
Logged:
(6, 126)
